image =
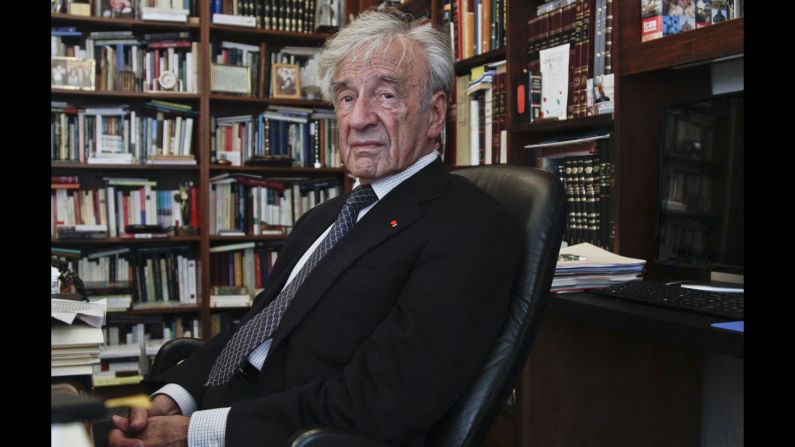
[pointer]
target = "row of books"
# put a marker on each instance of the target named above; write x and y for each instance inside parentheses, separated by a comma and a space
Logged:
(158, 132)
(304, 137)
(248, 204)
(570, 48)
(163, 10)
(111, 209)
(76, 336)
(479, 113)
(240, 271)
(148, 276)
(475, 26)
(303, 16)
(124, 61)
(133, 341)
(587, 173)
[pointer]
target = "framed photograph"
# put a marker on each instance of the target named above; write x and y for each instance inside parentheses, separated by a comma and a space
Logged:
(230, 79)
(286, 81)
(72, 73)
(117, 8)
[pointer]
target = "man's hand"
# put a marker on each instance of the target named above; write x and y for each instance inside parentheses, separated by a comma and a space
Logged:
(162, 405)
(161, 431)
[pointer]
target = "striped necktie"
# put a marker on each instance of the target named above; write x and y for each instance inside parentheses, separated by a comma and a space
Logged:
(262, 326)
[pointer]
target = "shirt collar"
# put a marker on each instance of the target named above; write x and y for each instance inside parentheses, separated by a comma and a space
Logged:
(383, 185)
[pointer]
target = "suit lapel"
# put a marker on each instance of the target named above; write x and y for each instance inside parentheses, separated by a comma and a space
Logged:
(400, 205)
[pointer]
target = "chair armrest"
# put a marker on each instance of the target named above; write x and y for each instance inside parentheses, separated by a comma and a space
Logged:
(332, 437)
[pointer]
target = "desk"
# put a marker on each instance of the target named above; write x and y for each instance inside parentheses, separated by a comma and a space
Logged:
(606, 372)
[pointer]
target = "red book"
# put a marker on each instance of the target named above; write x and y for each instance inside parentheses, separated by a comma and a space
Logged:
(170, 44)
(194, 207)
(126, 211)
(258, 270)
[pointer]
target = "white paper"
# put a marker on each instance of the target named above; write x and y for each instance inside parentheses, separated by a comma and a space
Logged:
(594, 256)
(93, 313)
(554, 81)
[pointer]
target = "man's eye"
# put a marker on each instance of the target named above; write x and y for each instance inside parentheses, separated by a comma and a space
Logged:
(386, 95)
(346, 98)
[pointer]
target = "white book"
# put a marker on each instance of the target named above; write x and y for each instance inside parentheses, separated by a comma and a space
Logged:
(474, 140)
(75, 335)
(232, 247)
(112, 226)
(187, 136)
(176, 147)
(74, 370)
(503, 147)
(240, 46)
(189, 73)
(163, 14)
(230, 19)
(192, 288)
(194, 68)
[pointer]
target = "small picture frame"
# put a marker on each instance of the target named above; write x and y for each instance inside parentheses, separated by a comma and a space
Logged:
(71, 73)
(286, 81)
(230, 79)
(117, 8)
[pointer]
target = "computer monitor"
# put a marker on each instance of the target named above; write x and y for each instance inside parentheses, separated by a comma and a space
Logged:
(700, 213)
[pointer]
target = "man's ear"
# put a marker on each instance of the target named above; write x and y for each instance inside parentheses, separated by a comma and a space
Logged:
(438, 114)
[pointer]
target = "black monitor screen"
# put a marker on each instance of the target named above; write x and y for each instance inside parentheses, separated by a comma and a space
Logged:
(700, 218)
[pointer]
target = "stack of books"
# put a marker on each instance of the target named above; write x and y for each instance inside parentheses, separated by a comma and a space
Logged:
(76, 336)
(586, 266)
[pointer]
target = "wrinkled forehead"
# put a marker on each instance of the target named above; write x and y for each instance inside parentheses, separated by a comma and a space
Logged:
(402, 57)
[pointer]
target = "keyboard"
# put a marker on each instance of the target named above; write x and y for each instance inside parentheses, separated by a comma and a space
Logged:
(715, 304)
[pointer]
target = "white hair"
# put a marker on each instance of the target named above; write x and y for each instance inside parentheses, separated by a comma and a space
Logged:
(373, 30)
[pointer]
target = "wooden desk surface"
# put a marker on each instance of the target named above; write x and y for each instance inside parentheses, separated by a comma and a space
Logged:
(688, 329)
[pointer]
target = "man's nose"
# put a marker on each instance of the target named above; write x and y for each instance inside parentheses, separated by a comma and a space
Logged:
(363, 114)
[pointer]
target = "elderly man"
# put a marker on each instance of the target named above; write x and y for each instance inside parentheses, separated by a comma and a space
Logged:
(384, 301)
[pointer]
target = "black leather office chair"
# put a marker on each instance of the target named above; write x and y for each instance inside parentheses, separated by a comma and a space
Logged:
(536, 199)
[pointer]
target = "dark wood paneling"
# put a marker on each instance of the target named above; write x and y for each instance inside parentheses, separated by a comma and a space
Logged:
(584, 385)
(638, 134)
(701, 45)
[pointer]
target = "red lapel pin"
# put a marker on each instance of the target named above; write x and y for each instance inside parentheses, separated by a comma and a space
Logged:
(393, 223)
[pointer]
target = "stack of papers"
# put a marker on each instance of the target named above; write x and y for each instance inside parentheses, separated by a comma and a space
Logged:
(586, 266)
(75, 336)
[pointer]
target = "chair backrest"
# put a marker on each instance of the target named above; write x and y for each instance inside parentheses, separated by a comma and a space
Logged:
(536, 199)
(172, 352)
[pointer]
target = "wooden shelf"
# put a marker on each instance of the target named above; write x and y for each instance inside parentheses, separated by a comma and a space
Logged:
(716, 42)
(290, 37)
(463, 67)
(275, 170)
(125, 95)
(102, 22)
(570, 125)
(234, 99)
(280, 237)
(163, 310)
(66, 165)
(116, 240)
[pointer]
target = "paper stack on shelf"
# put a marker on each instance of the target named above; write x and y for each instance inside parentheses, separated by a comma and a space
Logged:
(586, 266)
(75, 336)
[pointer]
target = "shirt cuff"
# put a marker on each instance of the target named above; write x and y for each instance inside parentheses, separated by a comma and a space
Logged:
(186, 402)
(207, 428)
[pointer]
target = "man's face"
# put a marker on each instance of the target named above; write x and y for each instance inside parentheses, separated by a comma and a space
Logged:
(382, 129)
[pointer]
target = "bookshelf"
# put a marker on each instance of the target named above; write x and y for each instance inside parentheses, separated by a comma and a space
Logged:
(647, 76)
(207, 105)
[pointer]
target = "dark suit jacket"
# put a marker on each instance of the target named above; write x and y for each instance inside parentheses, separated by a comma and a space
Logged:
(391, 326)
